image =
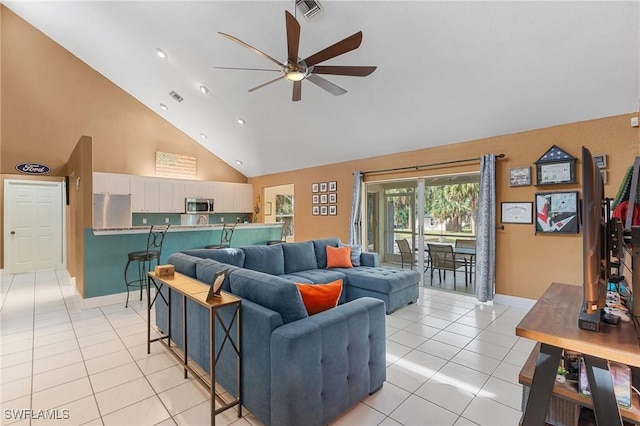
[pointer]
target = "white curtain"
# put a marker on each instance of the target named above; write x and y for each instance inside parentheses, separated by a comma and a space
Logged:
(486, 231)
(355, 233)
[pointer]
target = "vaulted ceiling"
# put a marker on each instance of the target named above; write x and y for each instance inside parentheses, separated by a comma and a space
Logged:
(447, 72)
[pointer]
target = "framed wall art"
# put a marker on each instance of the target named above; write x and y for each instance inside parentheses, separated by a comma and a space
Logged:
(333, 210)
(600, 160)
(323, 210)
(315, 210)
(323, 198)
(520, 176)
(315, 198)
(555, 167)
(520, 212)
(557, 212)
(333, 198)
(333, 186)
(323, 186)
(315, 187)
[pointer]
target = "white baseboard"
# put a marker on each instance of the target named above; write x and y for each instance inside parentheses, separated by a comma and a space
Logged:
(514, 301)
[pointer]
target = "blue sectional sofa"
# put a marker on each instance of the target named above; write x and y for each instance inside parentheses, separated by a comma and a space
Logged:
(296, 369)
(306, 262)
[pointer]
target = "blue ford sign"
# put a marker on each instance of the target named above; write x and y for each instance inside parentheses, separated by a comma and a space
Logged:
(33, 168)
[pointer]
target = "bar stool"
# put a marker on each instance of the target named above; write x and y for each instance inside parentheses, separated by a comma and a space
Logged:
(144, 259)
(225, 237)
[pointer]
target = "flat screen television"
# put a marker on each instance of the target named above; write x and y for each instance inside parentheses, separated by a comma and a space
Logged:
(594, 245)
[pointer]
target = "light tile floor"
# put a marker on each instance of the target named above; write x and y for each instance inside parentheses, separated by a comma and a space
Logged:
(450, 361)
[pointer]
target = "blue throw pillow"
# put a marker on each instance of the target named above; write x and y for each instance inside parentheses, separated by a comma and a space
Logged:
(356, 251)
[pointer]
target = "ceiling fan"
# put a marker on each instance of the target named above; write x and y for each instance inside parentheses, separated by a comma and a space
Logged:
(296, 69)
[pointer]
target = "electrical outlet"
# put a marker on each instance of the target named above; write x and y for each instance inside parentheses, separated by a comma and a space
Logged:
(144, 220)
(222, 219)
(166, 220)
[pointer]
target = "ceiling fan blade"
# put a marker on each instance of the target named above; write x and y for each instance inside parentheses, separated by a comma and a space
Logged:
(297, 91)
(293, 37)
(326, 85)
(266, 84)
(245, 69)
(348, 44)
(343, 70)
(264, 55)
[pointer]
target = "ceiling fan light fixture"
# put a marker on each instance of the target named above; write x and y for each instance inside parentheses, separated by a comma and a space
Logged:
(295, 76)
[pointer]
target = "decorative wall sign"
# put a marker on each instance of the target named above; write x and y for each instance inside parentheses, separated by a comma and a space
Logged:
(517, 212)
(33, 168)
(520, 176)
(555, 167)
(176, 165)
(557, 212)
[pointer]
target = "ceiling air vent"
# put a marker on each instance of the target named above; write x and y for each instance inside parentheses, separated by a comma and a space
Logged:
(176, 97)
(309, 8)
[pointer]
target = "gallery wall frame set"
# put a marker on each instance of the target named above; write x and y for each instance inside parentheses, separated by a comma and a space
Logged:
(323, 193)
(520, 176)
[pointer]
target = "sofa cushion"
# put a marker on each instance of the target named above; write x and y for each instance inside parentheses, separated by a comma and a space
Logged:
(299, 257)
(320, 246)
(267, 259)
(339, 257)
(382, 280)
(356, 251)
(183, 263)
(320, 297)
(206, 269)
(271, 292)
(230, 256)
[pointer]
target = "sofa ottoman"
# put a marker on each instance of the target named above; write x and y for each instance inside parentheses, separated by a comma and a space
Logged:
(396, 287)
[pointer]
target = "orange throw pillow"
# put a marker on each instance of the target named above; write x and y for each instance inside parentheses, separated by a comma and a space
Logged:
(339, 257)
(320, 297)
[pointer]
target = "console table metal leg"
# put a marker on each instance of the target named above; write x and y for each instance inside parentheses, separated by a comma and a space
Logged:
(212, 364)
(542, 385)
(184, 333)
(605, 404)
(148, 315)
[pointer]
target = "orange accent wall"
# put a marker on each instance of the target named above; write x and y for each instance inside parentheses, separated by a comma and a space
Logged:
(526, 263)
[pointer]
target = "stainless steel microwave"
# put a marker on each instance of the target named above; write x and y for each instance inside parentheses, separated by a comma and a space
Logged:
(198, 205)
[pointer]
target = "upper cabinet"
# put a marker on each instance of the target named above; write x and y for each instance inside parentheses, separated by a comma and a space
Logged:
(111, 183)
(161, 195)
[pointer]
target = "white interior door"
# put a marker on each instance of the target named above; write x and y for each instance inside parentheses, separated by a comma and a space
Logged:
(32, 225)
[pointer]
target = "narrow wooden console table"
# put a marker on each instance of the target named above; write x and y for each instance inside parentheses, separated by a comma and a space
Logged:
(196, 291)
(553, 321)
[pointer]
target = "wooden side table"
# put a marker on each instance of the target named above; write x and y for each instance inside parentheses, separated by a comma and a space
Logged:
(191, 289)
(553, 321)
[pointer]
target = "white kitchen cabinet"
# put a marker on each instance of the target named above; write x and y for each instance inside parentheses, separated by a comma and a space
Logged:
(223, 197)
(111, 183)
(137, 193)
(242, 198)
(199, 189)
(165, 196)
(178, 196)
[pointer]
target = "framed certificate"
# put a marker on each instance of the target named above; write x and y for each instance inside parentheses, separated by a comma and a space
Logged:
(521, 212)
(216, 284)
(556, 167)
(520, 176)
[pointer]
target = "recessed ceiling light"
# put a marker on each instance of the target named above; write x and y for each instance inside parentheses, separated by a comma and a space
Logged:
(239, 163)
(204, 90)
(161, 53)
(203, 136)
(164, 107)
(241, 121)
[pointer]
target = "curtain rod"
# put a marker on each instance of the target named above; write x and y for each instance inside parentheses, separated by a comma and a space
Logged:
(400, 169)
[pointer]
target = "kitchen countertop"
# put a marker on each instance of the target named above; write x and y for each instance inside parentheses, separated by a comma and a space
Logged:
(180, 228)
